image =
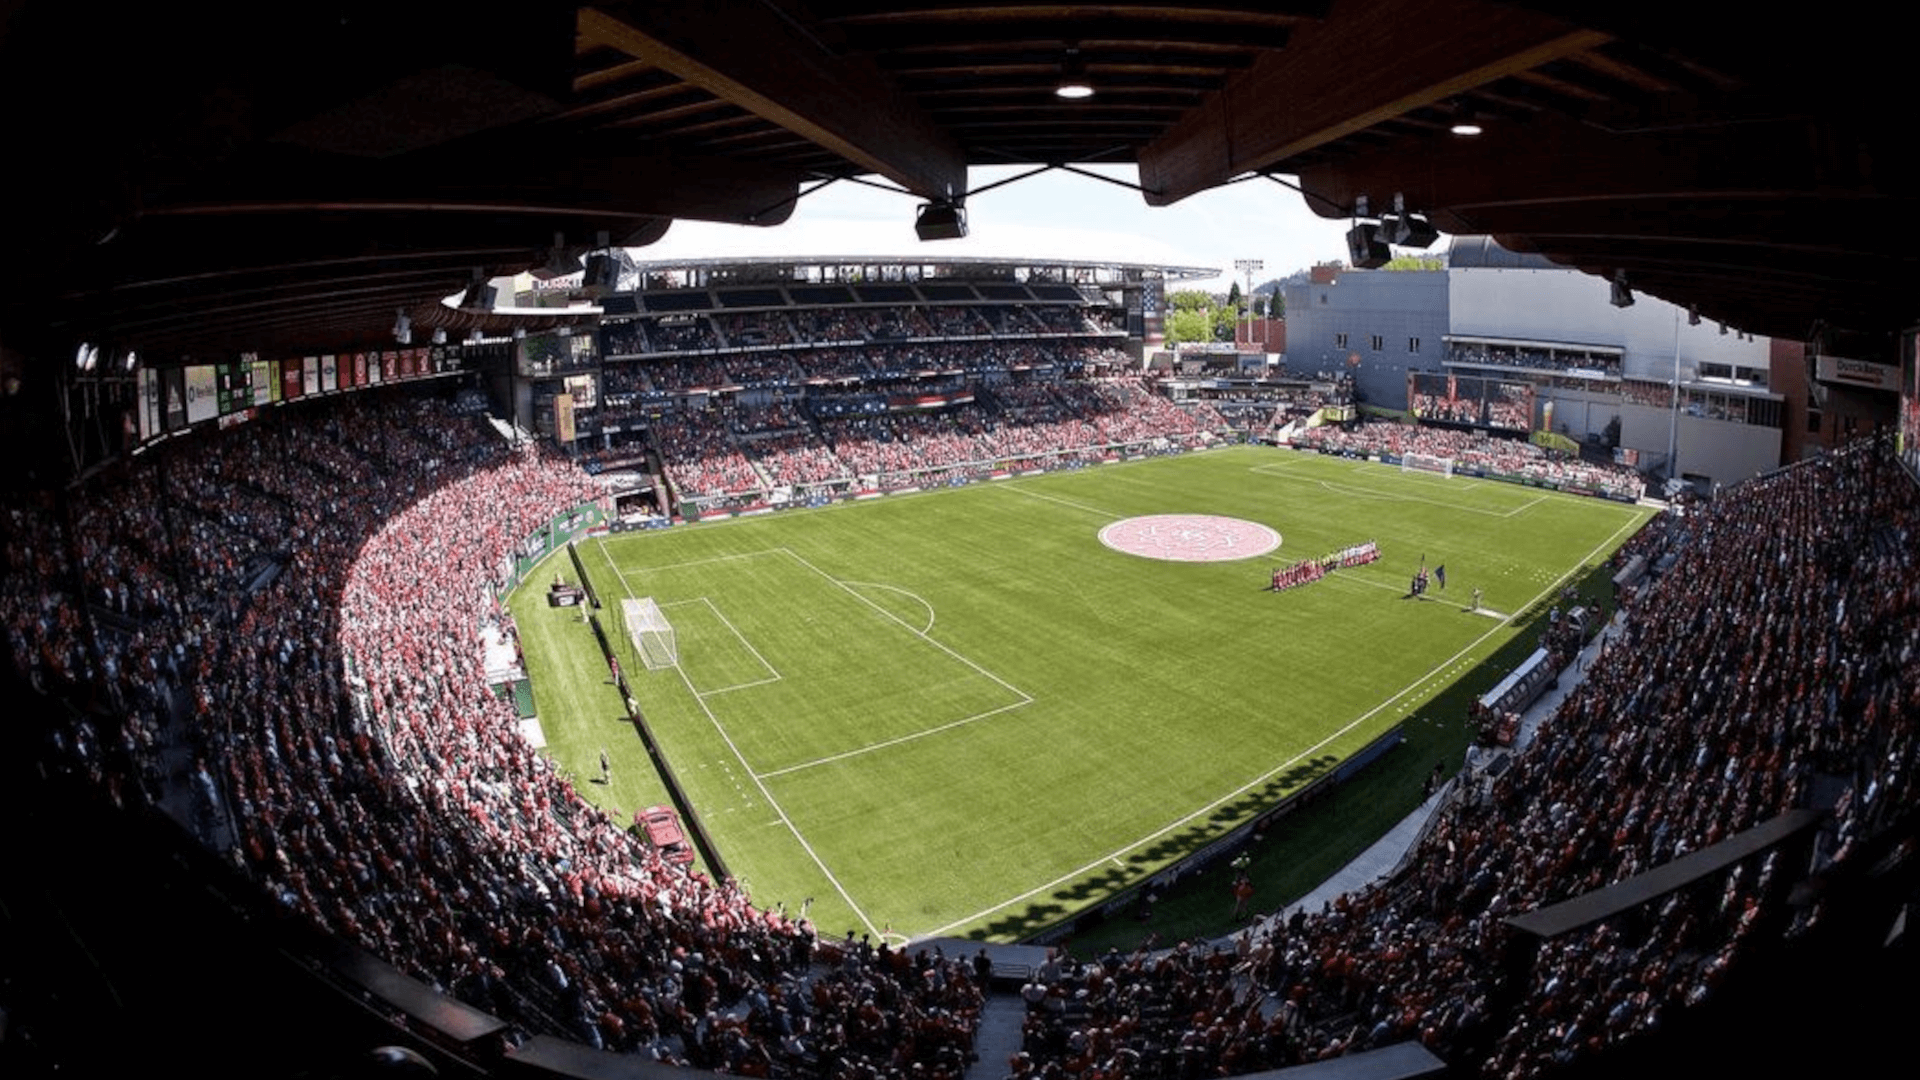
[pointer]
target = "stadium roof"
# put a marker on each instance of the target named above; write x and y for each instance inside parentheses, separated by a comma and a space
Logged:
(217, 177)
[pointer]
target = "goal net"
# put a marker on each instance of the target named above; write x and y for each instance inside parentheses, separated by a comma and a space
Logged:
(1426, 463)
(650, 632)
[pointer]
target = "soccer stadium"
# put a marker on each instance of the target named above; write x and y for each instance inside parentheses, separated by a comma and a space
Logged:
(443, 638)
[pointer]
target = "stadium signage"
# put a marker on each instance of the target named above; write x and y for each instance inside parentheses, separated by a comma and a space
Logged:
(1858, 373)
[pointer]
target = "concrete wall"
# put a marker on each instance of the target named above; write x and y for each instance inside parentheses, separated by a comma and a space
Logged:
(1720, 450)
(1572, 307)
(1393, 305)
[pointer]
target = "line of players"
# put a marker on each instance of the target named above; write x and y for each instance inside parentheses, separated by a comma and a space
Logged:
(1310, 570)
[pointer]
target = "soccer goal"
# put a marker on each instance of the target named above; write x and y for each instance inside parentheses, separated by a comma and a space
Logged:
(650, 632)
(1426, 463)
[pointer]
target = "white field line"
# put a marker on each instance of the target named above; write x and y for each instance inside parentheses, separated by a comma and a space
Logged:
(728, 623)
(1062, 502)
(704, 562)
(777, 808)
(1025, 698)
(1277, 769)
(895, 741)
(1338, 576)
(764, 793)
(739, 686)
(925, 630)
(796, 557)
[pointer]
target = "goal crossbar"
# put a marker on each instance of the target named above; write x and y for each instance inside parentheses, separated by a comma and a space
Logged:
(1426, 463)
(650, 632)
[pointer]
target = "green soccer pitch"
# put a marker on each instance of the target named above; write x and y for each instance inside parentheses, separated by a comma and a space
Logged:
(957, 712)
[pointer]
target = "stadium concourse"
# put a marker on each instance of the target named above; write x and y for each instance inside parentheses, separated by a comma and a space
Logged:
(270, 633)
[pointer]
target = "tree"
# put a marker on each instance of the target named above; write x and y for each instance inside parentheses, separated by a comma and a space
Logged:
(1224, 319)
(1276, 304)
(1188, 325)
(1189, 300)
(1233, 296)
(1415, 262)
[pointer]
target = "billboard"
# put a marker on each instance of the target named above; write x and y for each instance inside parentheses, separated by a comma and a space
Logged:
(1907, 434)
(203, 394)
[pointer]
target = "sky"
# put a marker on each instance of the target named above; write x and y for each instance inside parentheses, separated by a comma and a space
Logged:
(1053, 215)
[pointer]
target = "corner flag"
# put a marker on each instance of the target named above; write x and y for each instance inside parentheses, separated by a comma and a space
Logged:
(1440, 574)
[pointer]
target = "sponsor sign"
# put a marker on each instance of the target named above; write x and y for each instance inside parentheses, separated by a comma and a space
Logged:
(203, 394)
(1835, 369)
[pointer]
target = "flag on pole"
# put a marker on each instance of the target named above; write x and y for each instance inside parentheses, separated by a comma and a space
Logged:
(1440, 574)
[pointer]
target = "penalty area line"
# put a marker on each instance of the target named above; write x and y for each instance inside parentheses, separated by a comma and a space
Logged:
(775, 804)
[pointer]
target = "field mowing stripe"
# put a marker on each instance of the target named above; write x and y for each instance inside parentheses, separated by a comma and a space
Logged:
(1367, 493)
(777, 808)
(855, 593)
(1361, 581)
(738, 686)
(607, 557)
(699, 562)
(764, 793)
(1061, 501)
(724, 621)
(897, 740)
(1283, 766)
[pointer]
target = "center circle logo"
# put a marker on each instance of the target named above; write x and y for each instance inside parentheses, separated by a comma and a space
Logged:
(1190, 537)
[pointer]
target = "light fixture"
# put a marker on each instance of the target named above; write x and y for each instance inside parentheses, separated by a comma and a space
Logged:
(519, 333)
(1693, 314)
(130, 361)
(1466, 122)
(942, 219)
(1402, 229)
(439, 335)
(473, 336)
(560, 262)
(1365, 249)
(600, 277)
(86, 357)
(402, 327)
(1622, 295)
(1073, 85)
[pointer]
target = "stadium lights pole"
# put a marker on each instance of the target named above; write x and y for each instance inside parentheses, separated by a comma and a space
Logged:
(1247, 267)
(1673, 416)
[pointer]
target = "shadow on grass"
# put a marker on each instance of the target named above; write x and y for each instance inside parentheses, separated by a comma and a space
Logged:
(1326, 830)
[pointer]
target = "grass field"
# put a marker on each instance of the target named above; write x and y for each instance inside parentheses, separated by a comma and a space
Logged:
(957, 712)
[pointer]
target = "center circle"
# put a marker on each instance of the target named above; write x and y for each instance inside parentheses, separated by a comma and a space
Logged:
(1189, 537)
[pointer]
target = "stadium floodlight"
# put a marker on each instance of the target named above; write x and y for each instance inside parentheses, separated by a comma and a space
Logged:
(1365, 249)
(560, 262)
(942, 219)
(1621, 293)
(650, 632)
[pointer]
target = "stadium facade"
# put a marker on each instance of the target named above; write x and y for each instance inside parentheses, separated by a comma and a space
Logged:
(1674, 394)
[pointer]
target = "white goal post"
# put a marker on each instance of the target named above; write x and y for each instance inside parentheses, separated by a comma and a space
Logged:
(650, 632)
(1426, 463)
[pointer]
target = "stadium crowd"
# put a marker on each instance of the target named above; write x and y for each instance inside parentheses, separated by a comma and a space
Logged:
(1782, 650)
(298, 602)
(1509, 457)
(350, 757)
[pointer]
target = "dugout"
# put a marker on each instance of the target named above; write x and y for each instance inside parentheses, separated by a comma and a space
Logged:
(1521, 688)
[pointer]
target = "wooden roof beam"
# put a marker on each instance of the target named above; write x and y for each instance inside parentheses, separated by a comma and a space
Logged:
(744, 53)
(1311, 94)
